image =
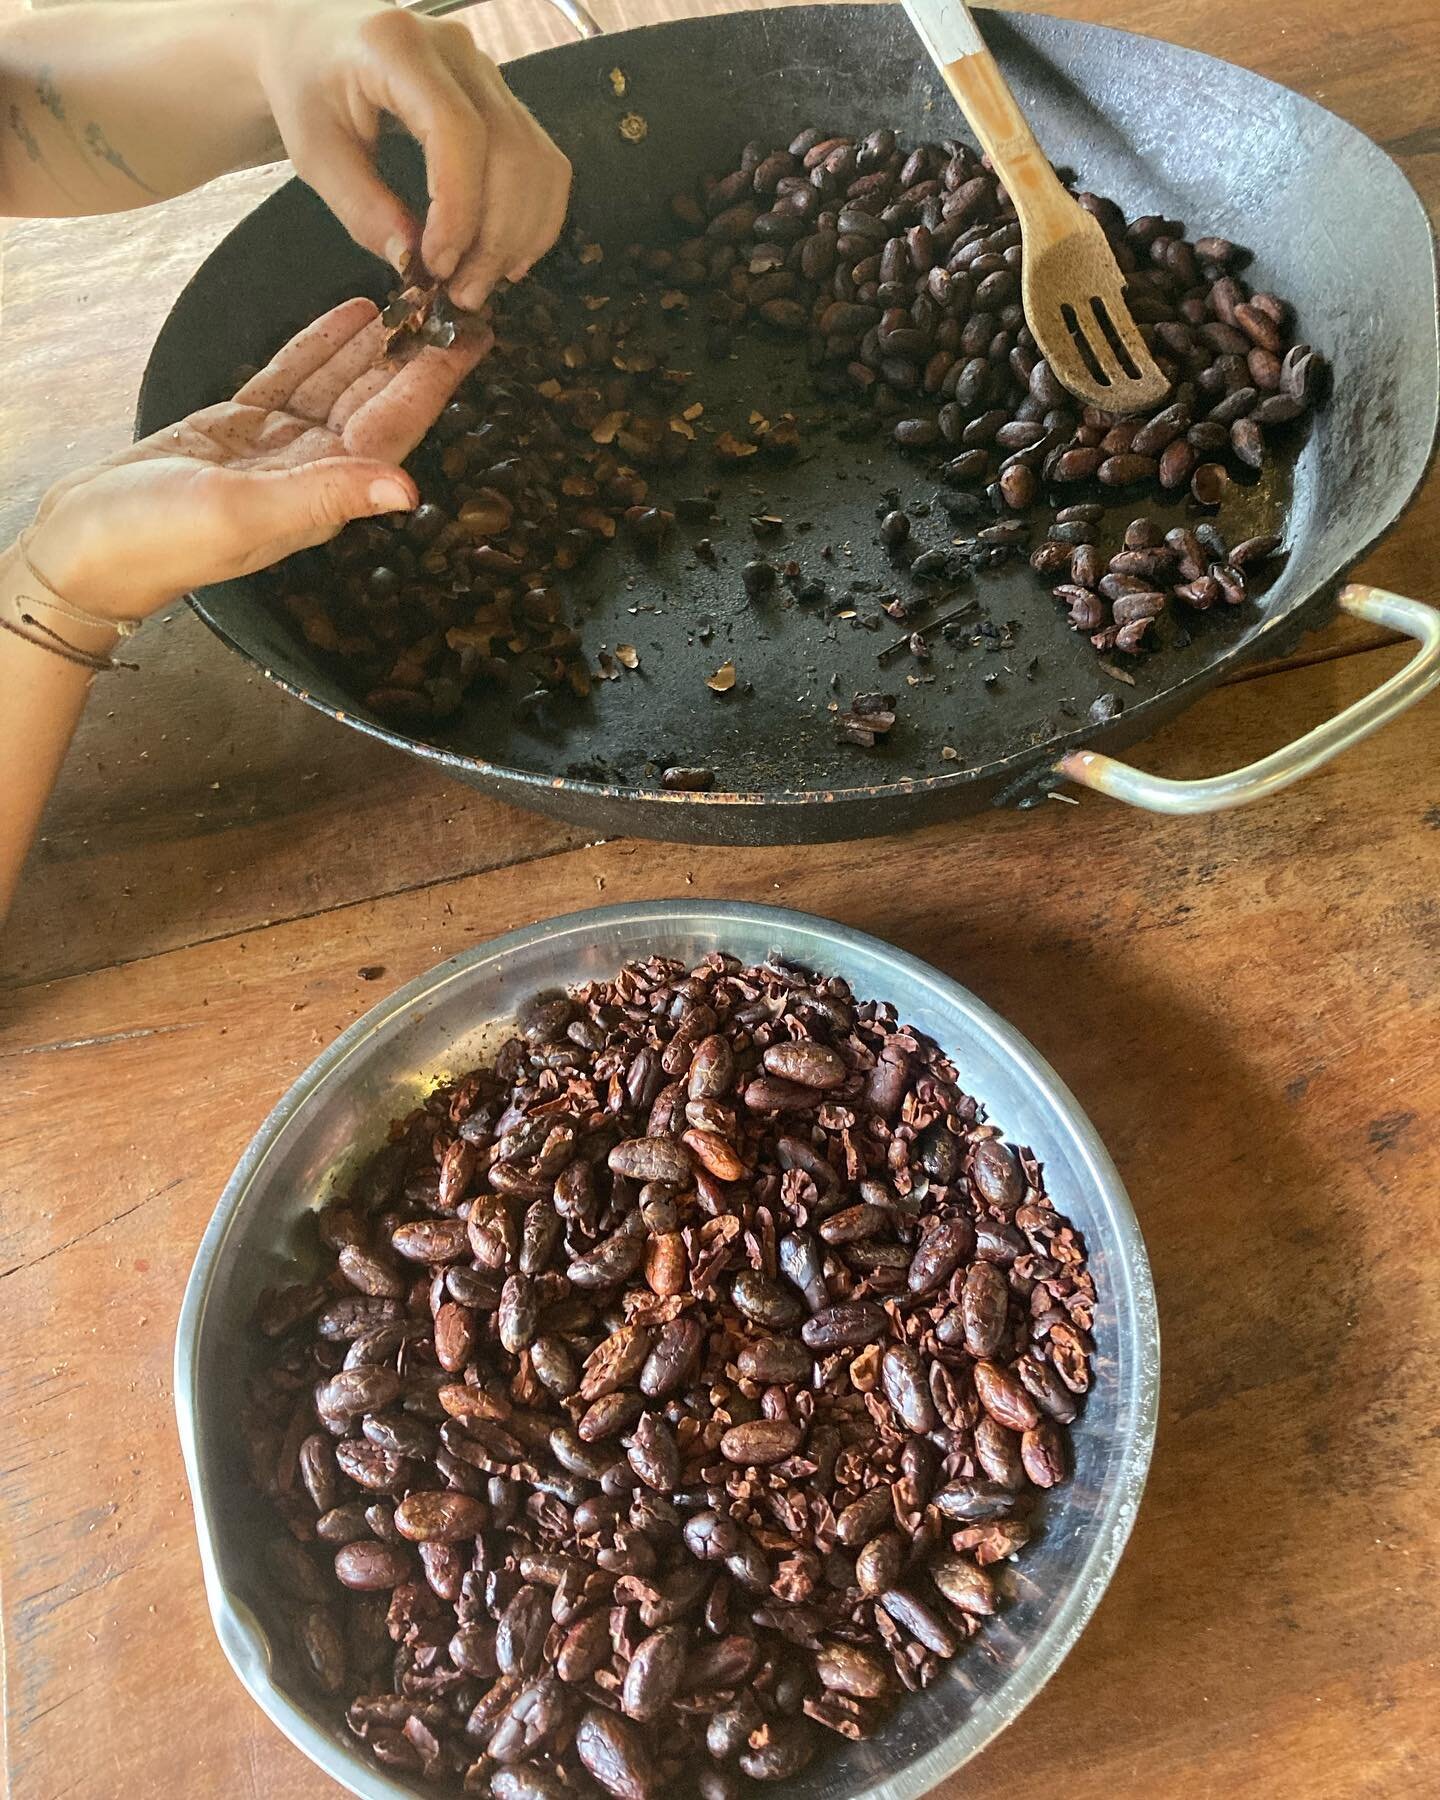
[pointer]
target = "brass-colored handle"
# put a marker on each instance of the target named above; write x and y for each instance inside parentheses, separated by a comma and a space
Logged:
(585, 23)
(1156, 793)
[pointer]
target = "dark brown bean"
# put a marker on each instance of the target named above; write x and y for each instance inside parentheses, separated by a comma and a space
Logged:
(430, 1240)
(540, 1236)
(852, 1223)
(344, 1320)
(939, 1253)
(808, 1064)
(862, 1519)
(766, 1302)
(554, 1365)
(369, 1275)
(532, 1722)
(653, 1455)
(729, 1730)
(711, 1536)
(761, 1441)
(651, 1159)
(997, 1451)
(612, 1260)
(1177, 464)
(922, 1622)
(974, 1501)
(847, 1669)
(1043, 1455)
(1247, 440)
(770, 1094)
(472, 1649)
(963, 1584)
(984, 1303)
(520, 1633)
(654, 1672)
(715, 1155)
(879, 1563)
(584, 1648)
(439, 1518)
(789, 1745)
(343, 1524)
(1003, 1397)
(318, 1472)
(526, 1783)
(615, 1363)
(609, 1416)
(355, 1391)
(323, 1648)
(369, 1567)
(995, 1170)
(851, 1323)
(712, 1069)
(673, 1358)
(904, 1381)
(803, 1266)
(725, 1663)
(775, 1360)
(1044, 1386)
(614, 1754)
(455, 1334)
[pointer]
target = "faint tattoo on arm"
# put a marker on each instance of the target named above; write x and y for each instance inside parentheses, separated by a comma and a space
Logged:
(30, 144)
(48, 95)
(25, 135)
(100, 147)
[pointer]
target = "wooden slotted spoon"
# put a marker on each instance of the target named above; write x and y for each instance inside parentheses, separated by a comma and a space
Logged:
(1070, 284)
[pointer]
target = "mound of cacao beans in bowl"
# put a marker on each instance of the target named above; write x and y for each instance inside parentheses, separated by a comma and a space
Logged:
(666, 1351)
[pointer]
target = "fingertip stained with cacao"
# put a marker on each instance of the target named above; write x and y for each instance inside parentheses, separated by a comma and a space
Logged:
(674, 1419)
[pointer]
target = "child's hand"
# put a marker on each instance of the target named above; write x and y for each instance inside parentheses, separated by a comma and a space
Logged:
(311, 442)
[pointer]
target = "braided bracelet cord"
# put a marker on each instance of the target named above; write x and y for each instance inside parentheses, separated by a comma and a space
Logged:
(55, 602)
(81, 658)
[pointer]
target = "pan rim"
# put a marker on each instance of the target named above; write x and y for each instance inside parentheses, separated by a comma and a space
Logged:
(1019, 770)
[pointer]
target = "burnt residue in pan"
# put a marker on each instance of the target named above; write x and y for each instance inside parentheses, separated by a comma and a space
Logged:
(786, 551)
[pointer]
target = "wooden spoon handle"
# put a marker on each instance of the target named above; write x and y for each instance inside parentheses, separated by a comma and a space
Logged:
(972, 75)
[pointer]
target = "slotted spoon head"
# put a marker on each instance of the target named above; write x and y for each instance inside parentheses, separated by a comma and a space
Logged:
(1074, 299)
(1070, 284)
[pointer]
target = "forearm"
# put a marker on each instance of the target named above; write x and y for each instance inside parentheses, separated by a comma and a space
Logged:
(42, 695)
(109, 106)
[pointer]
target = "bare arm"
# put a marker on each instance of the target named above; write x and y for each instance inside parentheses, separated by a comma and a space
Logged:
(44, 697)
(314, 440)
(109, 106)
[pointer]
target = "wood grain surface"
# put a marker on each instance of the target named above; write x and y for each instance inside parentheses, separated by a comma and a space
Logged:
(198, 800)
(1247, 1006)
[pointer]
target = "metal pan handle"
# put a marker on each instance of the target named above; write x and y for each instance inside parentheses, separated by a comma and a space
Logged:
(1156, 793)
(585, 24)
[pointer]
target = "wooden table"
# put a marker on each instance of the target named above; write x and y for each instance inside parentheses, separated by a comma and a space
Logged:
(1246, 1005)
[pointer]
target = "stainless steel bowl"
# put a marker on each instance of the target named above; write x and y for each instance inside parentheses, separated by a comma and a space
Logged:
(445, 1022)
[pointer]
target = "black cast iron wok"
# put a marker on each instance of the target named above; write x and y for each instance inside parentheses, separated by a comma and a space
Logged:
(1334, 227)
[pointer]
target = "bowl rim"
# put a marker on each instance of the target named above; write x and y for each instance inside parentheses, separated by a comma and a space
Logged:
(1131, 1284)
